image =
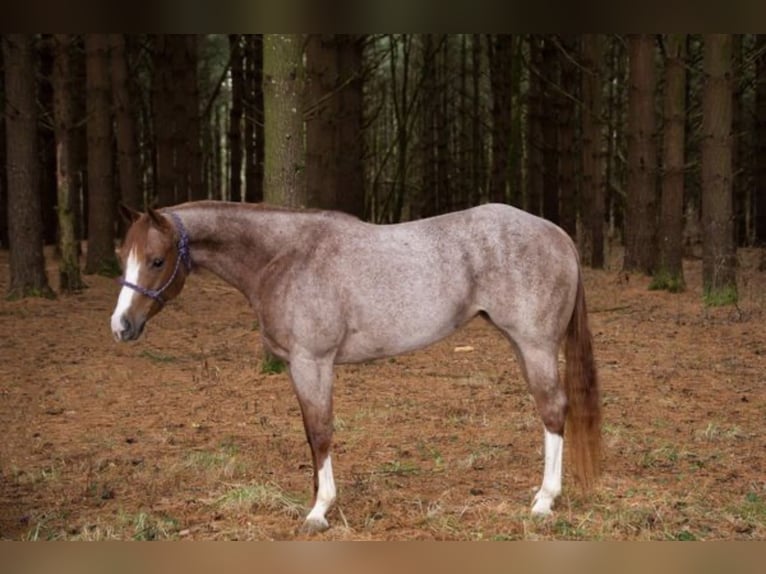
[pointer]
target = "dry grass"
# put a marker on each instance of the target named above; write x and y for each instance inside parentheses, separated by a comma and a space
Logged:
(183, 436)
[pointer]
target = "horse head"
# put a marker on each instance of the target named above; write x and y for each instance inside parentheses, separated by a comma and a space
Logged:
(155, 261)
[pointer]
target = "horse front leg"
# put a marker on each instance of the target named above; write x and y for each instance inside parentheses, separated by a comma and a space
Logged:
(312, 381)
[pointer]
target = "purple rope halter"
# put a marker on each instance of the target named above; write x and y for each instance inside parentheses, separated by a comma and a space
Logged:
(184, 255)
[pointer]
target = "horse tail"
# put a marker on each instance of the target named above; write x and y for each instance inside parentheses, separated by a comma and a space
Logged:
(581, 383)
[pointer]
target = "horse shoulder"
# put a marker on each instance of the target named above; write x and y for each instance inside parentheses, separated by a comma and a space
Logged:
(304, 271)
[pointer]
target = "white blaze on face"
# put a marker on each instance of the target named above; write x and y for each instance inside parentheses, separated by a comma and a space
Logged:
(125, 299)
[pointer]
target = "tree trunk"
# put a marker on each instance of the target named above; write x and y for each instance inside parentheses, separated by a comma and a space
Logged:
(284, 161)
(641, 209)
(69, 267)
(719, 257)
(78, 138)
(534, 193)
(235, 115)
(479, 170)
(669, 274)
(500, 48)
(760, 142)
(693, 155)
(177, 89)
(402, 108)
(516, 182)
(128, 158)
(616, 170)
(164, 122)
(739, 191)
(424, 205)
(255, 194)
(334, 174)
(351, 128)
(592, 156)
(443, 121)
(464, 139)
(253, 80)
(46, 162)
(101, 217)
(566, 135)
(217, 179)
(550, 146)
(321, 144)
(25, 229)
(3, 164)
(192, 142)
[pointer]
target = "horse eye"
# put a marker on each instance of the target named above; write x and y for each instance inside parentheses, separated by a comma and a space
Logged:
(158, 262)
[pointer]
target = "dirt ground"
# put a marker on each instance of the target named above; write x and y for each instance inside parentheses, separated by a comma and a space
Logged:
(182, 435)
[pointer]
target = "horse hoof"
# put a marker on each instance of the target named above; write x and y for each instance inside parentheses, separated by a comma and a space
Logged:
(541, 512)
(542, 506)
(315, 525)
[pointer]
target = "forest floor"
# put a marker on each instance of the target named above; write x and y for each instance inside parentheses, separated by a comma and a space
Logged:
(182, 435)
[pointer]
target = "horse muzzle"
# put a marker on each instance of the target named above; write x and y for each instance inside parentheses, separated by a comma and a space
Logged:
(125, 329)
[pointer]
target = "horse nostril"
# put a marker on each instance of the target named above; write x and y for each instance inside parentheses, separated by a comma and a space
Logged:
(127, 326)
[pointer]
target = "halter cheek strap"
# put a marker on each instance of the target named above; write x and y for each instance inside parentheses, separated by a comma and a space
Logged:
(184, 256)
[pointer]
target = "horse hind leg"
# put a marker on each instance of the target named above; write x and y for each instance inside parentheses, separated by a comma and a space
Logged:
(550, 489)
(312, 382)
(540, 367)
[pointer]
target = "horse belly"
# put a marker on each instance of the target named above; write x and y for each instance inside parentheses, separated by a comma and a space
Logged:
(401, 333)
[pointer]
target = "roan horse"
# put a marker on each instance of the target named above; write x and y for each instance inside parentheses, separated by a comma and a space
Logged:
(328, 288)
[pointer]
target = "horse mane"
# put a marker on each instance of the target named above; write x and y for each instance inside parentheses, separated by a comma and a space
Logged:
(264, 206)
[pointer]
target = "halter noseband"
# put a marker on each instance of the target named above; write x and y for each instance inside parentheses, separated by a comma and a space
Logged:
(184, 255)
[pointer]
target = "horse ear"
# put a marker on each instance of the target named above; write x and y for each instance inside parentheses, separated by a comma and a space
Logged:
(157, 219)
(127, 213)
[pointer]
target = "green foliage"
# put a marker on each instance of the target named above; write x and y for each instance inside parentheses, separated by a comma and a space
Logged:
(158, 357)
(433, 453)
(684, 536)
(719, 297)
(565, 529)
(124, 526)
(70, 280)
(664, 457)
(109, 267)
(41, 529)
(247, 497)
(40, 292)
(223, 463)
(400, 468)
(150, 527)
(663, 280)
(753, 508)
(272, 365)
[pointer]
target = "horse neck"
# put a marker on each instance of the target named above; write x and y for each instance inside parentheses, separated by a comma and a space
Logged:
(234, 241)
